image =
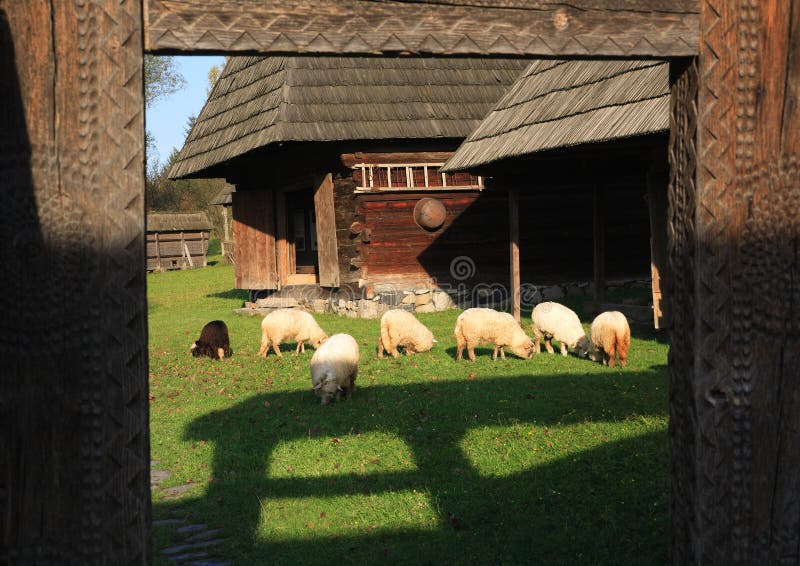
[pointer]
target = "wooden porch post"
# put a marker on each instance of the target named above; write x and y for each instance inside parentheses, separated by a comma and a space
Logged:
(513, 238)
(74, 444)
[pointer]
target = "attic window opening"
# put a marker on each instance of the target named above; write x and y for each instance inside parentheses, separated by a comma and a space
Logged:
(370, 177)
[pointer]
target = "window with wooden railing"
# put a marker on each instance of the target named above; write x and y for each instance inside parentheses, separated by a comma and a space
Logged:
(411, 176)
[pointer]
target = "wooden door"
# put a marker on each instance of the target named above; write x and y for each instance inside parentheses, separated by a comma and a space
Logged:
(254, 234)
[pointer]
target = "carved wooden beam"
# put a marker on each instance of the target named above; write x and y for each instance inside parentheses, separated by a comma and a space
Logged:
(657, 28)
(74, 446)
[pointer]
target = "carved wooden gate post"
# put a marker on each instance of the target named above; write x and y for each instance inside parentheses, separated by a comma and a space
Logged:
(735, 263)
(74, 437)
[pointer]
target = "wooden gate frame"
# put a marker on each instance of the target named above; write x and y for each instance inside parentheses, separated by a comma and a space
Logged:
(74, 447)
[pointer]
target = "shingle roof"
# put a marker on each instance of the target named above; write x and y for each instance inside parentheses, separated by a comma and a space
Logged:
(163, 222)
(258, 101)
(557, 103)
(224, 196)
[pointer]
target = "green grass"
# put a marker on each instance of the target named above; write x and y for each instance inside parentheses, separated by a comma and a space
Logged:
(554, 460)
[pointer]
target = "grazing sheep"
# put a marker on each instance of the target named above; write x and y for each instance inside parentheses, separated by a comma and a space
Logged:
(401, 328)
(334, 367)
(213, 342)
(289, 324)
(552, 320)
(481, 325)
(611, 335)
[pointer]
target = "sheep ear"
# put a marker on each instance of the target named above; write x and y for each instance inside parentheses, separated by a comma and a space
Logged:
(339, 388)
(317, 386)
(435, 341)
(194, 346)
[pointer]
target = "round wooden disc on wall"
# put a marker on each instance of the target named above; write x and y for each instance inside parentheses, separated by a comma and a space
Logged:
(430, 213)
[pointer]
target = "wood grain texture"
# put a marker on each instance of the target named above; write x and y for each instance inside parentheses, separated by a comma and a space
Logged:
(538, 28)
(734, 406)
(254, 233)
(74, 451)
(327, 252)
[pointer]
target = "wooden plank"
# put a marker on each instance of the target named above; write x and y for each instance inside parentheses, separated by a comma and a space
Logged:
(735, 357)
(657, 203)
(254, 234)
(513, 242)
(506, 27)
(327, 249)
(74, 446)
(282, 244)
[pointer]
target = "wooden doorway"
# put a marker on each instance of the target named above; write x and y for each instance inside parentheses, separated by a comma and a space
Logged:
(74, 171)
(301, 237)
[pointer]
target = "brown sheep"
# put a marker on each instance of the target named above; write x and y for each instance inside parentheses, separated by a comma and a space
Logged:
(213, 342)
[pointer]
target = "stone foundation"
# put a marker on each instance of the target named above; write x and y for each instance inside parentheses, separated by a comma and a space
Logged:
(372, 300)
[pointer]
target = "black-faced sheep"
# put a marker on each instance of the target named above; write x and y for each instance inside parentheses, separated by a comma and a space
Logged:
(611, 335)
(213, 342)
(401, 328)
(555, 321)
(334, 368)
(289, 324)
(481, 325)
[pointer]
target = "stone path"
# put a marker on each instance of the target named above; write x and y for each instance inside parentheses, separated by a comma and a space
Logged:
(196, 542)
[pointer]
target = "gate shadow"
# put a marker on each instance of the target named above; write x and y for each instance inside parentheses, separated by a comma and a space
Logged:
(605, 504)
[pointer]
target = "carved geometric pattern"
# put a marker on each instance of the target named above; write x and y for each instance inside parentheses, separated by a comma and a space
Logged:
(74, 451)
(680, 294)
(505, 27)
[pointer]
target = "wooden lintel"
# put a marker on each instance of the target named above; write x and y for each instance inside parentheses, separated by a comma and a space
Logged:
(653, 28)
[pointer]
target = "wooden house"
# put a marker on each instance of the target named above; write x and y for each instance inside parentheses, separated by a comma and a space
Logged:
(330, 157)
(589, 136)
(177, 241)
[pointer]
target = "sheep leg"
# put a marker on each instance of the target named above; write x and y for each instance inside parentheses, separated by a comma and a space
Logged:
(471, 352)
(502, 352)
(264, 346)
(494, 353)
(537, 338)
(410, 351)
(276, 349)
(459, 351)
(380, 348)
(299, 347)
(548, 345)
(302, 347)
(563, 349)
(612, 354)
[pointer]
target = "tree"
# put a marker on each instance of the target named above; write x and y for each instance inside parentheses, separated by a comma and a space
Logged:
(161, 78)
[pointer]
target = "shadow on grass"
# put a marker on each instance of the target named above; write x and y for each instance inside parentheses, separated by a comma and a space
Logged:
(606, 504)
(230, 294)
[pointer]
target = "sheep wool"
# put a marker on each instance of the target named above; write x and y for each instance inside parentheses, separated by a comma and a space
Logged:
(401, 328)
(611, 336)
(289, 324)
(334, 367)
(555, 321)
(214, 341)
(481, 326)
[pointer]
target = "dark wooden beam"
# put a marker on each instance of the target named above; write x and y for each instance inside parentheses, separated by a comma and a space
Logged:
(734, 264)
(74, 426)
(651, 28)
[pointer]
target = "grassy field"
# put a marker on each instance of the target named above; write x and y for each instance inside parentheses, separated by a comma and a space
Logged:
(554, 460)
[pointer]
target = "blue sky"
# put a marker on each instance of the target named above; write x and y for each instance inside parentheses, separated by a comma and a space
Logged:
(166, 119)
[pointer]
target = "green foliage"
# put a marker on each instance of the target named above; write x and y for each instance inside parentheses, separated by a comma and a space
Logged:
(552, 460)
(161, 78)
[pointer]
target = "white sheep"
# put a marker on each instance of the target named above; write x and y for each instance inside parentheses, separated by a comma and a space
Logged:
(334, 367)
(290, 324)
(611, 335)
(481, 325)
(552, 320)
(401, 328)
